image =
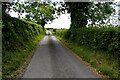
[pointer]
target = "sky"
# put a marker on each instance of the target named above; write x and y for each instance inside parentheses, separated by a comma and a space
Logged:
(63, 21)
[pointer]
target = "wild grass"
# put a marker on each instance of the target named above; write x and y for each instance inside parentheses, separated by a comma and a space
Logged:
(104, 63)
(12, 60)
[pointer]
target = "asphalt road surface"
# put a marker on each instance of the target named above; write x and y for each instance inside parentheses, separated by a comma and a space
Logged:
(53, 60)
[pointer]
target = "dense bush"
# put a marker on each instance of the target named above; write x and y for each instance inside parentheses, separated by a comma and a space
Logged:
(16, 32)
(60, 32)
(19, 39)
(97, 38)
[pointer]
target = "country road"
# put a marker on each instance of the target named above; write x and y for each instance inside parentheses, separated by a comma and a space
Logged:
(53, 60)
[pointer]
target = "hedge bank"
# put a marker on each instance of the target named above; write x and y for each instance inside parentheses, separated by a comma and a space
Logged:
(107, 39)
(100, 47)
(19, 39)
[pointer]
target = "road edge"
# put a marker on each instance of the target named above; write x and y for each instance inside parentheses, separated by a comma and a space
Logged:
(21, 70)
(84, 62)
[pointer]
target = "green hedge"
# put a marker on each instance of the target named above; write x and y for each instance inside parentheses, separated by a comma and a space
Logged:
(19, 39)
(107, 39)
(61, 33)
(16, 31)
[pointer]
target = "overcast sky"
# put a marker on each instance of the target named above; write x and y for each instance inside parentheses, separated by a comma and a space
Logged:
(63, 21)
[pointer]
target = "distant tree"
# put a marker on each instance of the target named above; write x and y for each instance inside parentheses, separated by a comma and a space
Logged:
(54, 30)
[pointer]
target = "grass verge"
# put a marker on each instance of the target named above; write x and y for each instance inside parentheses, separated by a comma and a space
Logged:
(104, 63)
(13, 60)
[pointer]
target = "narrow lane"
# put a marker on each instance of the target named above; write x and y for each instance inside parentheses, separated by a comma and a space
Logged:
(53, 60)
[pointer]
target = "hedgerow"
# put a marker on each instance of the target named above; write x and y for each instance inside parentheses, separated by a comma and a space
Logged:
(98, 46)
(16, 31)
(107, 39)
(19, 39)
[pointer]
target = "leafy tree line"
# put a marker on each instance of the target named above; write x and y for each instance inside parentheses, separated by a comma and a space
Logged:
(83, 12)
(38, 12)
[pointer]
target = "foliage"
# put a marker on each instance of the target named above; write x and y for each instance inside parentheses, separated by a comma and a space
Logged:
(83, 11)
(14, 28)
(61, 33)
(106, 39)
(54, 30)
(19, 39)
(39, 12)
(102, 61)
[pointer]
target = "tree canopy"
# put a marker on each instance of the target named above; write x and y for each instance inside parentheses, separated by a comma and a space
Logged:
(81, 12)
(39, 12)
(84, 11)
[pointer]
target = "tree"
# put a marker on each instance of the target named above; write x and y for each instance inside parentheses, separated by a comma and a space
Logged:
(84, 11)
(39, 12)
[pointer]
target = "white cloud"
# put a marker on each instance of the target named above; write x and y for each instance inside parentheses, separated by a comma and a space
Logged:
(63, 21)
